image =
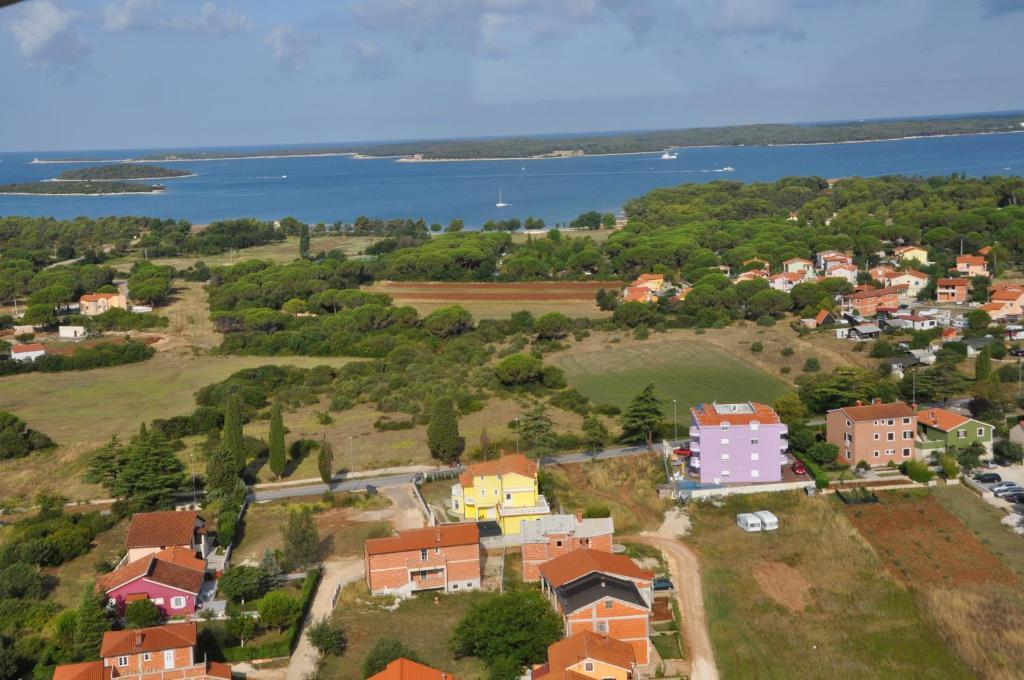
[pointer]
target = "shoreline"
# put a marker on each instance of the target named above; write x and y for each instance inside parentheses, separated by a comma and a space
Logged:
(408, 159)
(112, 193)
(131, 179)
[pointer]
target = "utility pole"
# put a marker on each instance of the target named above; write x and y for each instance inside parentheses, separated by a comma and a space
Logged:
(517, 435)
(1018, 376)
(192, 469)
(675, 424)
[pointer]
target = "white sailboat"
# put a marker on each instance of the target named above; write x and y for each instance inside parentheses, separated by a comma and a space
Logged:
(669, 156)
(501, 203)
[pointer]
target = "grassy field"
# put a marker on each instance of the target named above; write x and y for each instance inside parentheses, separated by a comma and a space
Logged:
(682, 365)
(286, 251)
(810, 600)
(627, 486)
(75, 575)
(500, 300)
(418, 622)
(983, 521)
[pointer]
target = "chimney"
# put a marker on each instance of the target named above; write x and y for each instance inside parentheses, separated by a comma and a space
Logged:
(876, 400)
(579, 515)
(138, 639)
(437, 535)
(860, 403)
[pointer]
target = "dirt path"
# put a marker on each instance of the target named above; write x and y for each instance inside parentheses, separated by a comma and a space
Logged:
(337, 574)
(405, 513)
(685, 569)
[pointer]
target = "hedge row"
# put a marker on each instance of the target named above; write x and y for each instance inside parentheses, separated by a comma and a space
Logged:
(286, 645)
(821, 479)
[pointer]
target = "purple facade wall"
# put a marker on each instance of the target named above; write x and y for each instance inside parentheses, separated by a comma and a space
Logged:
(155, 592)
(747, 454)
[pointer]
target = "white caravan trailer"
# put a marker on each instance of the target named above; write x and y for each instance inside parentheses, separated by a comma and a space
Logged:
(769, 522)
(748, 521)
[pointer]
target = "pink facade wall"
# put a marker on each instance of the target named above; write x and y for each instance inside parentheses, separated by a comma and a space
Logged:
(154, 591)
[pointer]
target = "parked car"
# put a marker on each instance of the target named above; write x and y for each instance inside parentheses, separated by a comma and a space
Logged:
(419, 478)
(988, 477)
(799, 468)
(1002, 485)
(1019, 352)
(1009, 491)
(682, 451)
(1014, 498)
(990, 464)
(662, 583)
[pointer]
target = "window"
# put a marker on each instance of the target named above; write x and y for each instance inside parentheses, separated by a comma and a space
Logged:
(725, 441)
(755, 474)
(147, 656)
(437, 551)
(906, 421)
(889, 452)
(423, 555)
(608, 604)
(877, 436)
(455, 586)
(588, 666)
(122, 661)
(725, 456)
(558, 544)
(755, 441)
(456, 505)
(848, 438)
(508, 496)
(876, 454)
(849, 423)
(906, 453)
(177, 602)
(585, 542)
(847, 454)
(890, 436)
(725, 426)
(755, 456)
(890, 422)
(602, 626)
(981, 432)
(961, 434)
(908, 434)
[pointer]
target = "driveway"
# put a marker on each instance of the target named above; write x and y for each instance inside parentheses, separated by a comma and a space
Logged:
(337, 574)
(685, 569)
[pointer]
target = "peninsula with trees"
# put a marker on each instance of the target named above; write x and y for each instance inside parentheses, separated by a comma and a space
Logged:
(80, 188)
(650, 141)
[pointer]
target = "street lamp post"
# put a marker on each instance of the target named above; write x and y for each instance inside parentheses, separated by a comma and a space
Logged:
(675, 424)
(517, 435)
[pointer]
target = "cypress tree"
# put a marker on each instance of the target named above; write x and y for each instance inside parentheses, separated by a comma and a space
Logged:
(301, 539)
(277, 458)
(232, 441)
(642, 417)
(304, 241)
(983, 364)
(325, 461)
(443, 438)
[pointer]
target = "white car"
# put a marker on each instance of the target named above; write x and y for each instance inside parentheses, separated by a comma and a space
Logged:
(1002, 485)
(1007, 490)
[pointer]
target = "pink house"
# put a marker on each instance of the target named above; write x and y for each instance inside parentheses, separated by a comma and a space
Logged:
(170, 578)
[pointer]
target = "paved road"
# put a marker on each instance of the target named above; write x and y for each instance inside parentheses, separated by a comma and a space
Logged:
(386, 480)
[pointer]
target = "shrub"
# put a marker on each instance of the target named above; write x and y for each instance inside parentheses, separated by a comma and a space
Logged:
(383, 652)
(519, 369)
(142, 614)
(766, 320)
(950, 468)
(327, 637)
(917, 471)
(786, 351)
(597, 511)
(785, 370)
(812, 365)
(756, 347)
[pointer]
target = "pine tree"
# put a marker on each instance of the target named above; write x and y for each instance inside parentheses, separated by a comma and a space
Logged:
(150, 472)
(301, 539)
(485, 444)
(304, 241)
(537, 430)
(325, 461)
(277, 451)
(232, 440)
(983, 364)
(443, 438)
(91, 624)
(595, 433)
(220, 473)
(642, 417)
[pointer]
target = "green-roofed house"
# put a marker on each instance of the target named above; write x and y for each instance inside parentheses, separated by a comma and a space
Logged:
(939, 429)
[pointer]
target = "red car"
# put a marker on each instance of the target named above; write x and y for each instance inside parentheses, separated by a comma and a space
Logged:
(798, 468)
(682, 451)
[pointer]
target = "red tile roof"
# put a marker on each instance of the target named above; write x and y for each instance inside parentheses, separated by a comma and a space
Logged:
(873, 293)
(404, 669)
(184, 557)
(952, 282)
(28, 347)
(95, 297)
(508, 464)
(707, 415)
(158, 529)
(442, 536)
(972, 260)
(156, 639)
(186, 578)
(88, 670)
(649, 277)
(573, 565)
(822, 315)
(1007, 295)
(895, 409)
(570, 651)
(941, 419)
(636, 294)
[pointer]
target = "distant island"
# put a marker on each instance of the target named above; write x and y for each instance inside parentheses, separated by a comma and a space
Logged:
(631, 142)
(80, 188)
(121, 171)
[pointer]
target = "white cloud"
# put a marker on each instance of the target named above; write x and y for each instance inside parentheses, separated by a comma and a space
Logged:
(370, 62)
(212, 20)
(289, 46)
(128, 15)
(45, 35)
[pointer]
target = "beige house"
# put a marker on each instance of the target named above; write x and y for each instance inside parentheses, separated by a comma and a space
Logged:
(911, 253)
(98, 303)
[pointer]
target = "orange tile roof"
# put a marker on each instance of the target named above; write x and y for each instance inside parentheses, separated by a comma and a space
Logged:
(941, 419)
(183, 557)
(985, 251)
(706, 415)
(95, 297)
(822, 315)
(873, 293)
(650, 277)
(992, 307)
(797, 259)
(636, 294)
(442, 536)
(508, 464)
(156, 639)
(404, 669)
(952, 282)
(910, 272)
(950, 332)
(158, 529)
(583, 646)
(88, 670)
(904, 249)
(573, 565)
(28, 347)
(895, 409)
(973, 260)
(1007, 295)
(188, 578)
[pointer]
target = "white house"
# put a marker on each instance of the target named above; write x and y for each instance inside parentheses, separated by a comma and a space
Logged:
(71, 332)
(27, 352)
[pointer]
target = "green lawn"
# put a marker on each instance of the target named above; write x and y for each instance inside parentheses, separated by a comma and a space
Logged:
(667, 646)
(984, 522)
(421, 624)
(682, 368)
(810, 600)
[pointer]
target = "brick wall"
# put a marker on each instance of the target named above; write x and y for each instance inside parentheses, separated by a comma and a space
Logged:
(390, 571)
(624, 622)
(536, 554)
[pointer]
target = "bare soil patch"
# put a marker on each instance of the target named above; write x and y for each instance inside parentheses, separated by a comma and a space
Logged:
(784, 584)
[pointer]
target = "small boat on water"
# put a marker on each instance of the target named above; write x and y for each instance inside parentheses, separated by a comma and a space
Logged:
(728, 168)
(501, 203)
(669, 156)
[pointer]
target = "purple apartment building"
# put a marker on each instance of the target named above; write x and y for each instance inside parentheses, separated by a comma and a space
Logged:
(737, 443)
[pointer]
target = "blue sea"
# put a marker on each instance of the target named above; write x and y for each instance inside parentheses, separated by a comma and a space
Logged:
(333, 188)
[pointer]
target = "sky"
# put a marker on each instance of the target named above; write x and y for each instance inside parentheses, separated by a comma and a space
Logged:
(125, 74)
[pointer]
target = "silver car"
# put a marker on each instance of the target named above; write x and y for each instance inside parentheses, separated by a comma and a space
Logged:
(1008, 490)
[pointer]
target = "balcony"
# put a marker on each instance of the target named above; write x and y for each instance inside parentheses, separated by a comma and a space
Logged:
(541, 508)
(695, 445)
(457, 490)
(432, 562)
(430, 582)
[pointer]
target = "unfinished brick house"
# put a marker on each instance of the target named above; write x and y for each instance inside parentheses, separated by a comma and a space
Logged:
(549, 537)
(446, 557)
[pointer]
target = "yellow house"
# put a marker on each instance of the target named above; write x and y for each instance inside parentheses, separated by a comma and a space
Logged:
(587, 655)
(504, 490)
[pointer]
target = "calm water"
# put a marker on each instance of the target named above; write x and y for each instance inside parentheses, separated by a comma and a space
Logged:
(327, 189)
